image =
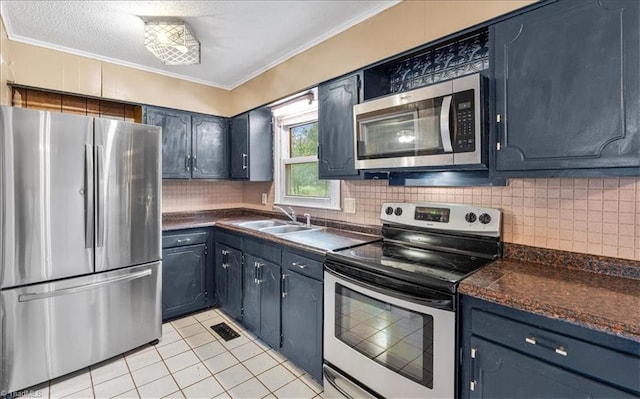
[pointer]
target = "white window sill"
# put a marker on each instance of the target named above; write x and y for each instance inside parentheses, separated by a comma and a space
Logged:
(307, 205)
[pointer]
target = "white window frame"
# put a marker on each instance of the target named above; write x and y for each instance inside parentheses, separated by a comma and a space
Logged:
(282, 159)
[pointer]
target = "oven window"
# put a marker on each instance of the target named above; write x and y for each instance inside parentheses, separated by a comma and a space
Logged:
(397, 338)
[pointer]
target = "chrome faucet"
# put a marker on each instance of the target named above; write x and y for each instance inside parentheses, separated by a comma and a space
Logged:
(291, 216)
(308, 219)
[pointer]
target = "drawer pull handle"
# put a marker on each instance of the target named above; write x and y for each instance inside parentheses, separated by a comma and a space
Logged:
(183, 240)
(300, 265)
(561, 351)
(530, 340)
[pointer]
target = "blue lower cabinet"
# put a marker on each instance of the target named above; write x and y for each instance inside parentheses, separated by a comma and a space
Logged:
(261, 307)
(302, 322)
(183, 280)
(228, 270)
(508, 353)
(503, 373)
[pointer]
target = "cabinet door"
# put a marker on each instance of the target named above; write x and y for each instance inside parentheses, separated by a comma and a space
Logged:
(567, 88)
(229, 280)
(335, 128)
(504, 373)
(183, 280)
(210, 147)
(176, 141)
(251, 295)
(269, 276)
(240, 147)
(260, 145)
(302, 322)
(234, 285)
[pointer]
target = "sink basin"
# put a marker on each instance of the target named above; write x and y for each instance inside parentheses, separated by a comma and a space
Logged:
(261, 224)
(284, 229)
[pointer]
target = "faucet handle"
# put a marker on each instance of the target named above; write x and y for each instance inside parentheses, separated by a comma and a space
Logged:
(308, 216)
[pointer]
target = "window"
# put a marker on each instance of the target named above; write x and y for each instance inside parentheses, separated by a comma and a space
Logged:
(296, 139)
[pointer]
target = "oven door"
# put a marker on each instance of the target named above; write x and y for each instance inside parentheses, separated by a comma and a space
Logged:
(391, 344)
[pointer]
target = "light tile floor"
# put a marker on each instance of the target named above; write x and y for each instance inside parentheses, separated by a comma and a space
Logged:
(191, 361)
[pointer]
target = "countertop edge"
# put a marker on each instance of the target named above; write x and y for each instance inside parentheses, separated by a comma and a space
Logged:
(486, 285)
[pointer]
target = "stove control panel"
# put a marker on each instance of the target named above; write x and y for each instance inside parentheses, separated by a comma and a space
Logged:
(441, 216)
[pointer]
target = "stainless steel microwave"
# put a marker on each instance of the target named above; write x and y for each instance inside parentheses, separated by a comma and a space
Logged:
(435, 126)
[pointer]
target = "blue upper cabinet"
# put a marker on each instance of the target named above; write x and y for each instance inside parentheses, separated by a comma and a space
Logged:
(240, 147)
(193, 145)
(209, 146)
(567, 90)
(335, 128)
(176, 140)
(252, 146)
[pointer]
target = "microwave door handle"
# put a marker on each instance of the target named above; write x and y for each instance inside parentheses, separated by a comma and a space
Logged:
(445, 129)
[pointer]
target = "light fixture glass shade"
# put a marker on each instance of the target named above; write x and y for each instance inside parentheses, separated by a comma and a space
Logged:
(172, 42)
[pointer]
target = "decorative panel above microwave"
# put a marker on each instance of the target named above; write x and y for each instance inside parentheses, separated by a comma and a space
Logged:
(438, 126)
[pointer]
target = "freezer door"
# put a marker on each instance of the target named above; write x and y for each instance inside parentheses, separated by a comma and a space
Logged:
(48, 330)
(46, 196)
(128, 194)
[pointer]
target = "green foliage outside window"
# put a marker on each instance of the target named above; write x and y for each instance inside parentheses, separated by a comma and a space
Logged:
(302, 178)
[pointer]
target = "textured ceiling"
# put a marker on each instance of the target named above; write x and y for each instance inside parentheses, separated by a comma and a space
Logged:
(239, 39)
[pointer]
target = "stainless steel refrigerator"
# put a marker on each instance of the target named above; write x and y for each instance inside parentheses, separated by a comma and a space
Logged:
(80, 242)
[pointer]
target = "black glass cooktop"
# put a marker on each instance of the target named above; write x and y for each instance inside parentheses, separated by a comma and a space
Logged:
(426, 267)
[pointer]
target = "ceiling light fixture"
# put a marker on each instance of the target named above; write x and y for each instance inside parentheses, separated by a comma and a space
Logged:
(172, 42)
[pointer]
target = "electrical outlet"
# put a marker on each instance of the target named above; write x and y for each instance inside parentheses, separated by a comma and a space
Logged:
(349, 205)
(264, 198)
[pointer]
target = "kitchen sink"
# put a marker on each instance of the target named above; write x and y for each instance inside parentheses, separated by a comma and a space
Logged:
(261, 224)
(290, 228)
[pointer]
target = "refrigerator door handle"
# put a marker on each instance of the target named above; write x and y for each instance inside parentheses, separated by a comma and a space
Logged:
(88, 196)
(100, 194)
(66, 291)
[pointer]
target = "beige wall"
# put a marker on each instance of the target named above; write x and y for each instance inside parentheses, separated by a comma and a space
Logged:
(595, 216)
(402, 27)
(40, 67)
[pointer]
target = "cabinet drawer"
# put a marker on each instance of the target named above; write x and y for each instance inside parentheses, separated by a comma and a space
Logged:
(303, 265)
(263, 249)
(176, 240)
(228, 239)
(584, 357)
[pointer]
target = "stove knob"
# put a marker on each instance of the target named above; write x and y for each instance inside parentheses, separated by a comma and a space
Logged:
(470, 217)
(485, 218)
(398, 211)
(389, 210)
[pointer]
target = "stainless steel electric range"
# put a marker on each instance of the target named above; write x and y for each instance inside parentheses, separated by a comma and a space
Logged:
(390, 307)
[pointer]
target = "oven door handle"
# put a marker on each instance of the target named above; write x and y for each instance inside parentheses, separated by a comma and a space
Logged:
(332, 377)
(445, 304)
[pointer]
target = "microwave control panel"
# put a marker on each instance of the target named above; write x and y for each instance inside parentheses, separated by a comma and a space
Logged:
(465, 137)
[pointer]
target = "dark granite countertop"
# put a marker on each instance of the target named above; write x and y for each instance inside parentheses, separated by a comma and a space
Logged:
(333, 235)
(595, 292)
